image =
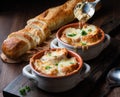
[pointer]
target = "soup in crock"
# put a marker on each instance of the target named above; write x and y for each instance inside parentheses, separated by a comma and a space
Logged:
(85, 35)
(56, 62)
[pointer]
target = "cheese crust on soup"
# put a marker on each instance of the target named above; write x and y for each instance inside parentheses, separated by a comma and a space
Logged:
(56, 63)
(86, 35)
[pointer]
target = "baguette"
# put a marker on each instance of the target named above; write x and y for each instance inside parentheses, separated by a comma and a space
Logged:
(38, 29)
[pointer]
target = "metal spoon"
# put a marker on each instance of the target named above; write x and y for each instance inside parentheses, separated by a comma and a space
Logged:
(113, 77)
(87, 8)
(113, 80)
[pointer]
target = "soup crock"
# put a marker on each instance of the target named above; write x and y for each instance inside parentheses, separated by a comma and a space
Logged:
(56, 83)
(93, 50)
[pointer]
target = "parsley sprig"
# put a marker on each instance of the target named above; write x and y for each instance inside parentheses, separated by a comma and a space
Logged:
(48, 67)
(71, 34)
(23, 91)
(83, 33)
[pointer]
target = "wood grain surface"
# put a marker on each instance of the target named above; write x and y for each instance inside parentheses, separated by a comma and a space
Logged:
(108, 18)
(99, 66)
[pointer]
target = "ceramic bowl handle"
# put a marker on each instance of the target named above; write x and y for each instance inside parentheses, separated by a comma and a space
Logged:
(85, 73)
(26, 72)
(106, 41)
(54, 44)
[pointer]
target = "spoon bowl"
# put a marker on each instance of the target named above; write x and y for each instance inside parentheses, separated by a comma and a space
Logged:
(113, 76)
(113, 80)
(87, 8)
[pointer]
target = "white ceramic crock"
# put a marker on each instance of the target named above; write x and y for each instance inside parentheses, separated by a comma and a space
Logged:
(56, 83)
(88, 54)
(59, 84)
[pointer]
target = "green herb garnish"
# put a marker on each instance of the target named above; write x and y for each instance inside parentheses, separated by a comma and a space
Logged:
(23, 91)
(83, 33)
(83, 43)
(27, 88)
(90, 30)
(72, 35)
(48, 67)
(49, 54)
(56, 64)
(71, 63)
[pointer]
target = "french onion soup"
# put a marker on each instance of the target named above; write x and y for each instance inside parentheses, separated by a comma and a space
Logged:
(83, 35)
(56, 62)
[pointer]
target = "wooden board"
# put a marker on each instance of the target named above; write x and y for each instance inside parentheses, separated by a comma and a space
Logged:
(98, 65)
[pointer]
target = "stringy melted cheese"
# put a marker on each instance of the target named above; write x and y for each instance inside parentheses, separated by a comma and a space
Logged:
(79, 14)
(56, 63)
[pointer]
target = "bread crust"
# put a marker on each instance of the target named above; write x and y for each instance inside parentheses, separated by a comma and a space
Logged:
(38, 29)
(14, 49)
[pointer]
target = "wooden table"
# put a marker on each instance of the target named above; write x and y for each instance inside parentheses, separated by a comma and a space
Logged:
(14, 17)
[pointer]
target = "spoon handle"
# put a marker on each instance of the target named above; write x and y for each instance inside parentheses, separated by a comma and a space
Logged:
(95, 2)
(106, 90)
(101, 91)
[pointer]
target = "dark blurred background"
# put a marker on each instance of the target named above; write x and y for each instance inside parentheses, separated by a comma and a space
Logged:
(6, 5)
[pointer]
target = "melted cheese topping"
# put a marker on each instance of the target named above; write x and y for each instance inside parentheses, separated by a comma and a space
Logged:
(85, 36)
(79, 14)
(56, 63)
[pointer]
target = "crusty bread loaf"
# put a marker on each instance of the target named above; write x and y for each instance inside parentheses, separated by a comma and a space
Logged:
(38, 29)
